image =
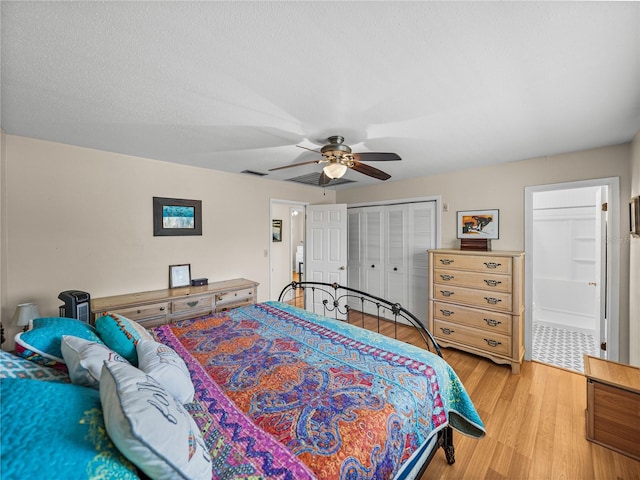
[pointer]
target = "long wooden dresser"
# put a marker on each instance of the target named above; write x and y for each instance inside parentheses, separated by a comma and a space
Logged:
(476, 303)
(158, 307)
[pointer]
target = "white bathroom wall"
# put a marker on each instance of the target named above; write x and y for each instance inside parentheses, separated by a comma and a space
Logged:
(564, 236)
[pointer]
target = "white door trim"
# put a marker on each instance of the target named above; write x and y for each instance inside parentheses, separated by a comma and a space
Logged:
(613, 258)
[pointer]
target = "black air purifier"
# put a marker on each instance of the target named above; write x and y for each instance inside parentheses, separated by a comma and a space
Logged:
(77, 304)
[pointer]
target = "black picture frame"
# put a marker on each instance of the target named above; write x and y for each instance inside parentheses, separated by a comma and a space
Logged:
(634, 216)
(276, 230)
(176, 216)
(179, 275)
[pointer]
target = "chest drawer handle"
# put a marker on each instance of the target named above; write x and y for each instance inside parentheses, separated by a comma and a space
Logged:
(446, 278)
(139, 311)
(192, 304)
(492, 283)
(446, 331)
(492, 264)
(446, 293)
(492, 343)
(492, 301)
(446, 261)
(491, 322)
(447, 313)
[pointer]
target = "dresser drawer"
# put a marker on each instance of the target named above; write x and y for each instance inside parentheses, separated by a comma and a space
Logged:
(493, 300)
(485, 281)
(190, 305)
(142, 313)
(243, 296)
(475, 263)
(485, 320)
(229, 305)
(489, 342)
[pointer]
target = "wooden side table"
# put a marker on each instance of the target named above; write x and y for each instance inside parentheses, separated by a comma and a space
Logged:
(613, 405)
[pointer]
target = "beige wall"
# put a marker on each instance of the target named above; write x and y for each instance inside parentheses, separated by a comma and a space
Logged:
(77, 218)
(634, 277)
(502, 187)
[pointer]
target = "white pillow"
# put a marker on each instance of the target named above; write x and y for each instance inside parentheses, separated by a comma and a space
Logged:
(84, 359)
(162, 363)
(150, 427)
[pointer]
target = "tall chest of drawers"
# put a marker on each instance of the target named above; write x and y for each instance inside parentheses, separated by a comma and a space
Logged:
(476, 303)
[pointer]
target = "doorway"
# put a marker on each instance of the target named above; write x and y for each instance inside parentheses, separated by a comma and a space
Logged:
(286, 253)
(568, 283)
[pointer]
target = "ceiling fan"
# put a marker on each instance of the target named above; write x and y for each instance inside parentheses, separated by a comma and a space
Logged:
(339, 158)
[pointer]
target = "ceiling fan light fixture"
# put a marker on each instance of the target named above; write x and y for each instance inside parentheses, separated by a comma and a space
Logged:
(335, 170)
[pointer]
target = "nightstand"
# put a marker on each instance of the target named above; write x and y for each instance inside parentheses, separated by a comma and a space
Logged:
(613, 405)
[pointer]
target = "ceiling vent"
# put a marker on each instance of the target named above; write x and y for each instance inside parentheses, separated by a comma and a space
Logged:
(253, 172)
(313, 179)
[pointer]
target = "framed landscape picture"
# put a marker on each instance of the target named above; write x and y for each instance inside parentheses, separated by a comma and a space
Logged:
(175, 216)
(479, 224)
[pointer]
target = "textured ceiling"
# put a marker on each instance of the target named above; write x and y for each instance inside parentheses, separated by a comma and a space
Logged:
(236, 85)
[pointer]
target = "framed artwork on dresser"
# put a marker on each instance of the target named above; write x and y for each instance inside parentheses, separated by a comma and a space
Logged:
(179, 275)
(481, 224)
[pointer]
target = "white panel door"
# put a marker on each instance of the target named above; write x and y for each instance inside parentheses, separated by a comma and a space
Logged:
(354, 249)
(395, 270)
(421, 237)
(326, 259)
(374, 251)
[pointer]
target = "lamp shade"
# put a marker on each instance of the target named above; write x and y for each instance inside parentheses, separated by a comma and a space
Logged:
(25, 313)
(335, 170)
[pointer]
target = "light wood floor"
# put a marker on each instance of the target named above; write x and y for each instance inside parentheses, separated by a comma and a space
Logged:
(535, 423)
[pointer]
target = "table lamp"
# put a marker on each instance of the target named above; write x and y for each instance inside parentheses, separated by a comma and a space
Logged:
(25, 313)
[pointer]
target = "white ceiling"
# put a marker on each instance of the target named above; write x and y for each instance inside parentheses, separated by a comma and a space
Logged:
(236, 85)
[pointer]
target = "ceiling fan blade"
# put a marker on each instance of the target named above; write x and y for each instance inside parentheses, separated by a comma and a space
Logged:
(371, 171)
(295, 165)
(324, 179)
(375, 157)
(310, 149)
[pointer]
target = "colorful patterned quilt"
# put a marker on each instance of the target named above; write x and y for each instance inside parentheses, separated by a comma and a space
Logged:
(284, 393)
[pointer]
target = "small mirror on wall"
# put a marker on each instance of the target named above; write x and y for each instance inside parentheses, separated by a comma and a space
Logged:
(634, 216)
(276, 230)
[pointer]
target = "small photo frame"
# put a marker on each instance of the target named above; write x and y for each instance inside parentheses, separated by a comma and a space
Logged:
(634, 216)
(276, 230)
(179, 275)
(480, 224)
(176, 216)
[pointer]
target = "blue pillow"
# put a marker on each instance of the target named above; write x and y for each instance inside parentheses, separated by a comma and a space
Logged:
(42, 344)
(54, 430)
(121, 335)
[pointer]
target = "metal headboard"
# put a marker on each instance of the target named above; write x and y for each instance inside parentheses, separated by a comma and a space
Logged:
(336, 299)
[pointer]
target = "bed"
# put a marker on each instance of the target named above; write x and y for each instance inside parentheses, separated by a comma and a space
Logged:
(274, 391)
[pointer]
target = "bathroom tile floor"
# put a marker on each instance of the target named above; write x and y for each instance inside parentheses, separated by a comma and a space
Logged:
(562, 348)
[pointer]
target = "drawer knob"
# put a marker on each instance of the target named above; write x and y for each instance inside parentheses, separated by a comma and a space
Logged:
(447, 313)
(395, 269)
(492, 283)
(492, 301)
(491, 322)
(446, 293)
(446, 261)
(492, 343)
(446, 278)
(492, 264)
(162, 309)
(373, 266)
(139, 311)
(446, 331)
(192, 304)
